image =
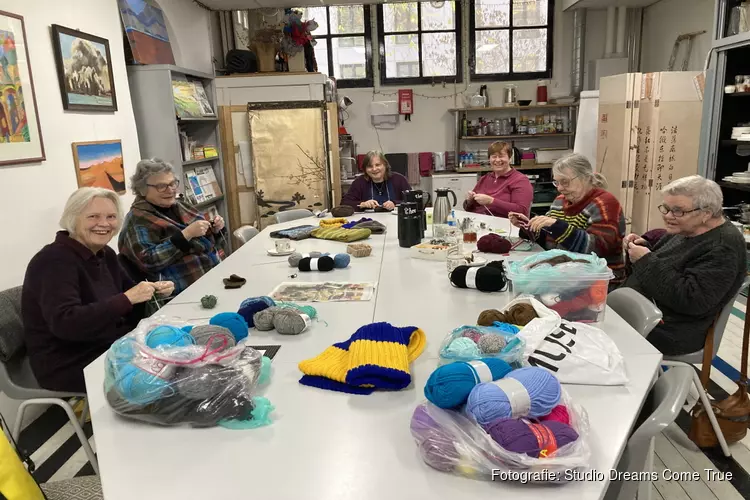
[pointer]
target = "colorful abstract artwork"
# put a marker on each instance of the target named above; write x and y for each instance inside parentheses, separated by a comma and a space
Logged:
(99, 164)
(20, 137)
(146, 31)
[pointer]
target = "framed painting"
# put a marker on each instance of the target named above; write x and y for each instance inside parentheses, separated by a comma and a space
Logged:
(146, 32)
(84, 70)
(20, 132)
(99, 164)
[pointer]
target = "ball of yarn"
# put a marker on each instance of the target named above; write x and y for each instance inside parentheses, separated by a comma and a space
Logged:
(488, 401)
(234, 322)
(263, 320)
(485, 279)
(505, 327)
(462, 347)
(342, 211)
(309, 310)
(490, 316)
(296, 257)
(535, 440)
(204, 382)
(265, 370)
(324, 263)
(450, 385)
(252, 305)
(493, 243)
(213, 336)
(139, 387)
(290, 322)
(497, 264)
(520, 314)
(209, 301)
(559, 414)
(168, 336)
(491, 343)
(435, 446)
(341, 260)
(472, 333)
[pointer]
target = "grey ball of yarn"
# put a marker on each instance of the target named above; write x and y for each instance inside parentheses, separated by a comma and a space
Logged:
(203, 333)
(490, 343)
(296, 257)
(207, 381)
(263, 320)
(289, 322)
(250, 362)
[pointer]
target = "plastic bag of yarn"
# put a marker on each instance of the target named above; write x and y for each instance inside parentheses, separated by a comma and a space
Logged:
(467, 343)
(557, 272)
(451, 442)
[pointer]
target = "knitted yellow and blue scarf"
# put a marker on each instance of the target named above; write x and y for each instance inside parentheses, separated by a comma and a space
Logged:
(377, 356)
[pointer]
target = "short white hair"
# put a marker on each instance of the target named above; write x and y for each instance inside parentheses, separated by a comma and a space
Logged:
(80, 199)
(145, 169)
(705, 193)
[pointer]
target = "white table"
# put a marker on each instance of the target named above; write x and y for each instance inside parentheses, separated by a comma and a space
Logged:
(327, 445)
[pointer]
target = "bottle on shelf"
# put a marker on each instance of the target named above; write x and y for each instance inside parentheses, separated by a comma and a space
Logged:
(464, 126)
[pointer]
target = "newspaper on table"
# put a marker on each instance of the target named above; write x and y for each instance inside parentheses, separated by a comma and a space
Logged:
(328, 291)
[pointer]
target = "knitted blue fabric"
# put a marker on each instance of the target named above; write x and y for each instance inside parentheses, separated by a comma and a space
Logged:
(353, 223)
(294, 233)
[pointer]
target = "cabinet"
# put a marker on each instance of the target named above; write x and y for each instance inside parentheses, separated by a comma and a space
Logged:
(459, 184)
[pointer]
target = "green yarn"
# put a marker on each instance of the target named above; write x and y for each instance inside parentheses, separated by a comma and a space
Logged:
(209, 301)
(462, 347)
(309, 310)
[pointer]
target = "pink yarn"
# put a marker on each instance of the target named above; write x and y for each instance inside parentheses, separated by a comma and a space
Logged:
(473, 334)
(559, 414)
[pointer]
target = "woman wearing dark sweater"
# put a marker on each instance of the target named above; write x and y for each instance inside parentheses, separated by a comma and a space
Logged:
(76, 299)
(692, 271)
(378, 187)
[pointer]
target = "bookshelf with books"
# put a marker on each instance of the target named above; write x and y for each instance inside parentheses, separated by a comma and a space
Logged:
(175, 112)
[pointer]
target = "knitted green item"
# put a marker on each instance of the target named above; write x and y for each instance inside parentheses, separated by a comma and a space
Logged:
(341, 234)
(209, 301)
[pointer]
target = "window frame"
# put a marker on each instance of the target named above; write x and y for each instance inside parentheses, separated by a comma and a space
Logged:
(511, 75)
(419, 80)
(344, 83)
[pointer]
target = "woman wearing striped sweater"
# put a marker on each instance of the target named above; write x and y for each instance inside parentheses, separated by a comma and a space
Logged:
(584, 218)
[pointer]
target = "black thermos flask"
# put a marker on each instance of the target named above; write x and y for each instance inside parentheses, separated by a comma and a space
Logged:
(409, 224)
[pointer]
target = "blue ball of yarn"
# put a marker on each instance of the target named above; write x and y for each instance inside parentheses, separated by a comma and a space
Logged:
(341, 260)
(487, 401)
(168, 336)
(138, 386)
(450, 385)
(462, 347)
(263, 298)
(234, 322)
(187, 328)
(250, 306)
(505, 327)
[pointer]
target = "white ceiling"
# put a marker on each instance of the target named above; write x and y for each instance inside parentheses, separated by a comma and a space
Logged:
(255, 4)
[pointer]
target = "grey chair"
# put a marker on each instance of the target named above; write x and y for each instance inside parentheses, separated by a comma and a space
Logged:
(298, 213)
(635, 309)
(245, 233)
(668, 395)
(17, 380)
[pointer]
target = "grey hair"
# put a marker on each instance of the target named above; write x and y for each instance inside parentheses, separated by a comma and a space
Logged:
(581, 167)
(145, 169)
(369, 157)
(80, 199)
(705, 193)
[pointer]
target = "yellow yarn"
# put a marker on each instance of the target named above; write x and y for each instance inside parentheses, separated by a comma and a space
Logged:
(340, 234)
(336, 222)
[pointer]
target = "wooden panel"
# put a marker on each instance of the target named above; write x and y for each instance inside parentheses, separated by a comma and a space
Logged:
(647, 137)
(230, 170)
(634, 95)
(333, 148)
(613, 134)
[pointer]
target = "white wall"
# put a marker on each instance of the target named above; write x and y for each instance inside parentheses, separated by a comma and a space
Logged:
(189, 32)
(663, 22)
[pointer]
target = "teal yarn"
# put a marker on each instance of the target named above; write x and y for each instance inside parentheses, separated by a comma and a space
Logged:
(260, 416)
(253, 305)
(488, 401)
(265, 370)
(309, 310)
(450, 385)
(139, 387)
(341, 260)
(462, 347)
(234, 322)
(506, 327)
(168, 336)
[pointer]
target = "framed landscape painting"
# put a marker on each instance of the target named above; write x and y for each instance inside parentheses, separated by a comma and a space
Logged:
(99, 164)
(20, 133)
(84, 70)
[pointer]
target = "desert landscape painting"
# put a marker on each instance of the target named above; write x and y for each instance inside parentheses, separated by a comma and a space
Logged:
(99, 164)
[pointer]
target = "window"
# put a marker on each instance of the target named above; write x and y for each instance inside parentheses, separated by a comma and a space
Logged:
(511, 39)
(419, 42)
(343, 49)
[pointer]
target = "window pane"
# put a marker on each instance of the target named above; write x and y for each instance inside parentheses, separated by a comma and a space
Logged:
(529, 50)
(529, 12)
(321, 56)
(400, 17)
(441, 18)
(318, 14)
(492, 13)
(439, 54)
(492, 50)
(347, 19)
(348, 57)
(397, 53)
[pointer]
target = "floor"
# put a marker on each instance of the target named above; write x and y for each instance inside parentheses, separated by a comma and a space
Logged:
(58, 454)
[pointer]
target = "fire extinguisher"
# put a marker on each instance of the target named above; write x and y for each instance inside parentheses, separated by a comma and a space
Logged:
(406, 103)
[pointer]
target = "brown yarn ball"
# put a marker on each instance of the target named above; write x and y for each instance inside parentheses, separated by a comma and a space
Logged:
(489, 316)
(520, 314)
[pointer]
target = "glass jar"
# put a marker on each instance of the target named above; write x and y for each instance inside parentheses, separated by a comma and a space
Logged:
(559, 125)
(523, 128)
(739, 82)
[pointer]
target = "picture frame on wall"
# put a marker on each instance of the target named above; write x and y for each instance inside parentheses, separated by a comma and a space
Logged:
(84, 70)
(20, 132)
(100, 164)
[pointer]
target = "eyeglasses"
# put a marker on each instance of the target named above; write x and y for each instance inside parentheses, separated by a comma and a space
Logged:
(160, 188)
(564, 182)
(676, 212)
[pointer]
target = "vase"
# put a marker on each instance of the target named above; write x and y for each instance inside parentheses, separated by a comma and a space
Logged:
(266, 54)
(297, 62)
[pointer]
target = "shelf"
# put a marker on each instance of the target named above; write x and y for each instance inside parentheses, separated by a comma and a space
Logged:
(511, 108)
(517, 136)
(201, 119)
(538, 166)
(732, 185)
(209, 202)
(737, 94)
(732, 142)
(196, 162)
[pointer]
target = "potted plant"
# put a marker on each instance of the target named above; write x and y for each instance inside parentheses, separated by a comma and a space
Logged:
(297, 34)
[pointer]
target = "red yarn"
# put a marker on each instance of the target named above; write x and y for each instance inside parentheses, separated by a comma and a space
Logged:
(493, 243)
(559, 413)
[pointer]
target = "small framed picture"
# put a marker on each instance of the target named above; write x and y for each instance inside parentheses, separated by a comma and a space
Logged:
(99, 164)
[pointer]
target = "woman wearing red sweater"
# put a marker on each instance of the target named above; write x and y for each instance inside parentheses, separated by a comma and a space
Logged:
(583, 219)
(503, 190)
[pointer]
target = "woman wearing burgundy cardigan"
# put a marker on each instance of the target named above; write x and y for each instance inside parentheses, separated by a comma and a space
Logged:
(378, 187)
(76, 299)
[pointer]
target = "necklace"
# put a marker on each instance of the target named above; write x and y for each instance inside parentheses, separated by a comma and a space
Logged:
(379, 188)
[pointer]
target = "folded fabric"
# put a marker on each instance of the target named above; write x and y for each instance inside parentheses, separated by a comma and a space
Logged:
(366, 223)
(294, 233)
(340, 234)
(335, 222)
(377, 356)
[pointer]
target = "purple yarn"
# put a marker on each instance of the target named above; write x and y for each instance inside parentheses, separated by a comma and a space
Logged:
(515, 435)
(435, 446)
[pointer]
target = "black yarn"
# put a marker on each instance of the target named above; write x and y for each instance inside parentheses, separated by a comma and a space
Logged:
(325, 263)
(488, 278)
(241, 61)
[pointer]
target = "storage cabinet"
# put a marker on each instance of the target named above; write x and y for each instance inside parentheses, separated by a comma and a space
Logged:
(459, 184)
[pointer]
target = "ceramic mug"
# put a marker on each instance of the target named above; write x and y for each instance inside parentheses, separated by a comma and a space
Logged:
(283, 246)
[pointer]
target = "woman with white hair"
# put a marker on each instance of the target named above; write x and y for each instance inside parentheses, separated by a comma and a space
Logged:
(693, 270)
(163, 237)
(584, 218)
(76, 299)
